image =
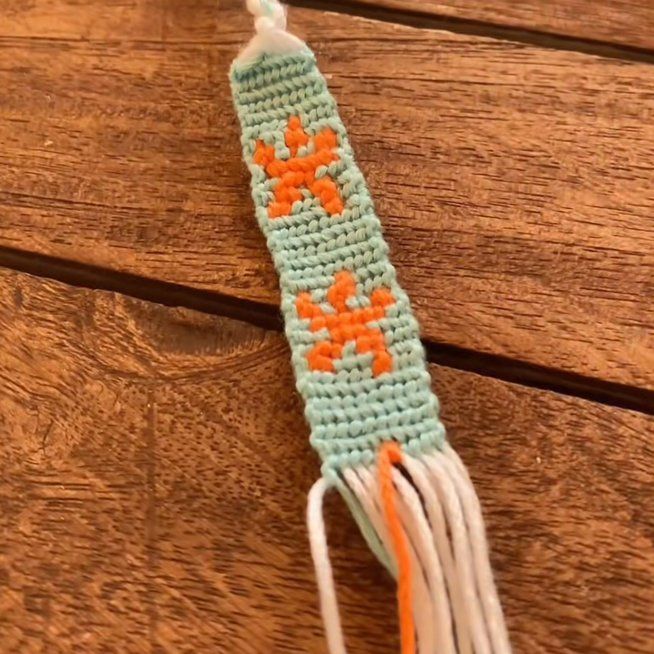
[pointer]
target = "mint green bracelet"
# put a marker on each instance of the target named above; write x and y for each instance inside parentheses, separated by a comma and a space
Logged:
(358, 359)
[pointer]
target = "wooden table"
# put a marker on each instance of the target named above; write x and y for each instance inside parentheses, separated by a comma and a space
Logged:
(155, 461)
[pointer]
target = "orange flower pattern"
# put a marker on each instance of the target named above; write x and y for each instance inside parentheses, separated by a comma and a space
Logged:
(300, 172)
(347, 325)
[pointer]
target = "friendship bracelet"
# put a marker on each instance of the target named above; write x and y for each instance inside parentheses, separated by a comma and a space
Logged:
(358, 359)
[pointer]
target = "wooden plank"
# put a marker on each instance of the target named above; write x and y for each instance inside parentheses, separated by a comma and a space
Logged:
(155, 466)
(115, 20)
(154, 476)
(513, 181)
(622, 22)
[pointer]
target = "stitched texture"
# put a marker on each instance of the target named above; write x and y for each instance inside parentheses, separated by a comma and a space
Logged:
(358, 359)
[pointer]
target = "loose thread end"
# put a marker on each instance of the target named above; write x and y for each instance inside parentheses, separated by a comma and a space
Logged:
(323, 568)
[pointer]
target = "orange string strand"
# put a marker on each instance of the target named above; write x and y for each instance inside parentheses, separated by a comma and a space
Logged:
(389, 454)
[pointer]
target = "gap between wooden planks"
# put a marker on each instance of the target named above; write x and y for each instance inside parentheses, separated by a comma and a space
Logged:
(264, 315)
(623, 22)
(154, 465)
(513, 181)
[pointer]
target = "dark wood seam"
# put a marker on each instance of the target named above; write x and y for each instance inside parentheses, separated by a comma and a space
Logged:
(471, 27)
(267, 316)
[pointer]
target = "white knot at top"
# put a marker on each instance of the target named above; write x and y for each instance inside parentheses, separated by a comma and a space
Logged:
(270, 9)
(271, 36)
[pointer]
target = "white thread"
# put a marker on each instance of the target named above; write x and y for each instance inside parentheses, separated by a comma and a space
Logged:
(479, 544)
(270, 9)
(359, 510)
(434, 510)
(323, 568)
(418, 529)
(370, 508)
(462, 550)
(364, 484)
(421, 600)
(271, 36)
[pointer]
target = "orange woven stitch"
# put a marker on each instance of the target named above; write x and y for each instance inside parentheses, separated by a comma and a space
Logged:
(300, 172)
(347, 325)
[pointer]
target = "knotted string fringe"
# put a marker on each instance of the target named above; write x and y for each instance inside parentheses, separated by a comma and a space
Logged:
(428, 519)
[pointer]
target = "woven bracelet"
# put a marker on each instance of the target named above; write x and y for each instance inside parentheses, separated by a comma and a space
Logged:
(358, 359)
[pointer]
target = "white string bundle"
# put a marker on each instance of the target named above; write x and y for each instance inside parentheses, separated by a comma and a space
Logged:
(324, 577)
(455, 603)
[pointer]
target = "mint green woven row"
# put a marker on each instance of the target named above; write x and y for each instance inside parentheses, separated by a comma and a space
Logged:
(350, 410)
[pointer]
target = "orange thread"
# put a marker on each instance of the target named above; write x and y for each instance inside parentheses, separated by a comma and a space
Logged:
(347, 325)
(300, 172)
(389, 454)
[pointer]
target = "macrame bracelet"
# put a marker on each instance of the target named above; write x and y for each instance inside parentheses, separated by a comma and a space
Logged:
(358, 359)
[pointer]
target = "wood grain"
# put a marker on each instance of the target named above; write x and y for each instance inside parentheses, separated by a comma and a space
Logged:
(514, 182)
(623, 22)
(154, 471)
